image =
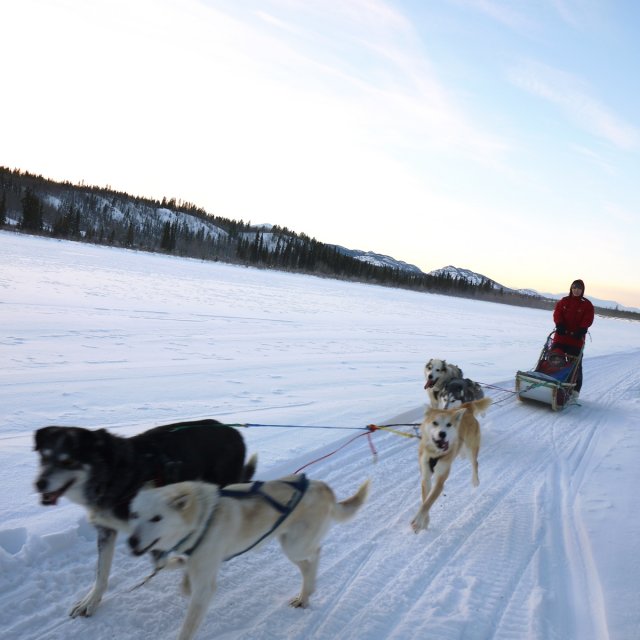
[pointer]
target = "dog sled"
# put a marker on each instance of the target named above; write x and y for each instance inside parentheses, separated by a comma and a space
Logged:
(553, 379)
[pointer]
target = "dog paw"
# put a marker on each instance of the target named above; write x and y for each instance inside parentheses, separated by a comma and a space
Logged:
(85, 607)
(298, 602)
(419, 523)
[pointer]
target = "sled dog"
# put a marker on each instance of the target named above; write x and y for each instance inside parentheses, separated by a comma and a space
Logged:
(103, 472)
(459, 391)
(437, 373)
(206, 525)
(445, 433)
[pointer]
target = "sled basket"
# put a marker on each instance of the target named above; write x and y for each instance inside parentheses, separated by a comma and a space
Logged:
(553, 379)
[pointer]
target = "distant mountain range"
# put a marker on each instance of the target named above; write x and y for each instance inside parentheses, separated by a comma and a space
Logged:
(476, 278)
(471, 277)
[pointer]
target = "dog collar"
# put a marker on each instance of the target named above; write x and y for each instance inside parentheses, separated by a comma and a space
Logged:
(207, 524)
(176, 548)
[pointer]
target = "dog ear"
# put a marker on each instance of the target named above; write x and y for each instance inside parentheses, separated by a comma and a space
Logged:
(38, 438)
(99, 437)
(42, 436)
(457, 416)
(181, 501)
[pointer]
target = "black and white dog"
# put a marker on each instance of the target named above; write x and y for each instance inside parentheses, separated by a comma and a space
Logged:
(103, 472)
(459, 391)
(437, 373)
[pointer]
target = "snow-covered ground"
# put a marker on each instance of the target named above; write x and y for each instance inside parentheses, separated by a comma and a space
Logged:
(547, 547)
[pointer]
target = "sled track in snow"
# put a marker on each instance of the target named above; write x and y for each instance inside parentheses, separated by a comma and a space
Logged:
(509, 559)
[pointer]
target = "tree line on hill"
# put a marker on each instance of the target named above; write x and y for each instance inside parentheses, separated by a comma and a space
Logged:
(101, 215)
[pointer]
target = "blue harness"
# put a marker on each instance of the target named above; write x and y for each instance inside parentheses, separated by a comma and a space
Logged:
(300, 486)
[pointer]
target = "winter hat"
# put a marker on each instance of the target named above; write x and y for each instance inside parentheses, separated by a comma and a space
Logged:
(577, 283)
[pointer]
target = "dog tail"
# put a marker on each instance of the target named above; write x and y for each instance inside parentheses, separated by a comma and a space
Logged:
(250, 468)
(478, 406)
(343, 511)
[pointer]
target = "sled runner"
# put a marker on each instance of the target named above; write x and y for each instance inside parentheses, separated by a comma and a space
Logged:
(553, 379)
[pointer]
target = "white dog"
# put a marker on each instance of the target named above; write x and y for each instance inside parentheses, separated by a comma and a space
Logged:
(209, 525)
(445, 433)
(437, 373)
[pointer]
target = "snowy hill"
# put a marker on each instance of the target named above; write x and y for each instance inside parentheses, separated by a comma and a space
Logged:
(466, 274)
(478, 279)
(378, 259)
(545, 547)
(598, 302)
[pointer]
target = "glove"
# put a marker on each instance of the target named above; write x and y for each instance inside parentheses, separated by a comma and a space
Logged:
(580, 333)
(561, 329)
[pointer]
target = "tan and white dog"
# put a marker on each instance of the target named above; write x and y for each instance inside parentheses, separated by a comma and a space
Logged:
(445, 434)
(437, 373)
(205, 525)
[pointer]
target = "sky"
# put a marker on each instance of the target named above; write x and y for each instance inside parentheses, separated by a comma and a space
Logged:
(546, 547)
(502, 137)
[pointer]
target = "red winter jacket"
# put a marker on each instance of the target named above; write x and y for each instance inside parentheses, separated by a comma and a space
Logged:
(575, 314)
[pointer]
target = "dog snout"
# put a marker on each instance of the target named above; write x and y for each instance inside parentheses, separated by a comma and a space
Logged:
(442, 435)
(134, 542)
(41, 484)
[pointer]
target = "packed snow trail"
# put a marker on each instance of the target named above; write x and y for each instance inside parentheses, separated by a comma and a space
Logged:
(511, 559)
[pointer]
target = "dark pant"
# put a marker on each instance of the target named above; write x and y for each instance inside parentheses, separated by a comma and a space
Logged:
(572, 351)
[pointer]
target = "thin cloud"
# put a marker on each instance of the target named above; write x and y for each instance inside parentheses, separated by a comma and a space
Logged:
(596, 158)
(578, 14)
(572, 97)
(374, 63)
(501, 12)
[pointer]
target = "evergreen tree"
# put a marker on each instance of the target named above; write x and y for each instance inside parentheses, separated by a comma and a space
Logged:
(75, 218)
(130, 235)
(169, 236)
(165, 243)
(60, 227)
(3, 209)
(31, 212)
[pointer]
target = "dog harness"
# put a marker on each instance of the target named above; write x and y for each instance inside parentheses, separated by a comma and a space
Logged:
(300, 485)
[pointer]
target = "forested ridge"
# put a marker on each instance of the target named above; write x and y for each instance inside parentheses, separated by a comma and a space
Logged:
(34, 204)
